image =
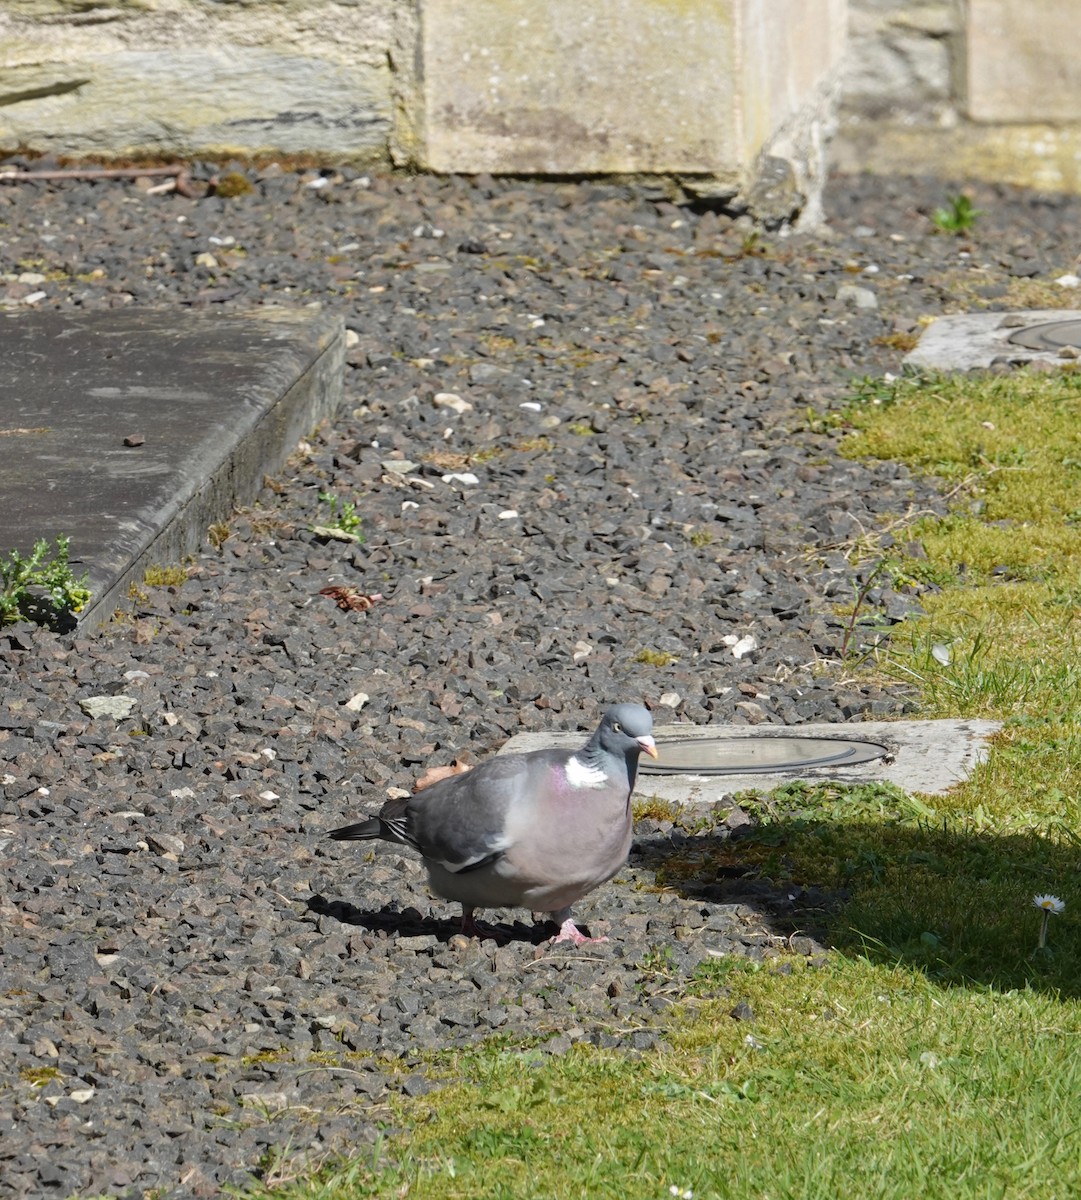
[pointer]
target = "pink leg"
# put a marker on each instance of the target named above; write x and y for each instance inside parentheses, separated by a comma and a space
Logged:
(569, 932)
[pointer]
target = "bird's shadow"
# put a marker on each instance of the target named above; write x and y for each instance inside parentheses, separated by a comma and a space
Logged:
(410, 922)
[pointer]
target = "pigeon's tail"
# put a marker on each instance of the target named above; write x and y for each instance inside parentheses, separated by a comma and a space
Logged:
(361, 832)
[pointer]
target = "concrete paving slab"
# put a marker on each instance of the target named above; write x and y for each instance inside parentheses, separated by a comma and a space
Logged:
(920, 756)
(966, 341)
(212, 402)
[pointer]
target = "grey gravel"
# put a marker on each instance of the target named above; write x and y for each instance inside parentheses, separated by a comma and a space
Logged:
(192, 972)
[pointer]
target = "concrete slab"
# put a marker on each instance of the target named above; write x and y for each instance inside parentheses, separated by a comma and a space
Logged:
(921, 756)
(966, 341)
(217, 401)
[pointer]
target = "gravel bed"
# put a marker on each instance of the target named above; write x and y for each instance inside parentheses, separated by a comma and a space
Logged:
(577, 437)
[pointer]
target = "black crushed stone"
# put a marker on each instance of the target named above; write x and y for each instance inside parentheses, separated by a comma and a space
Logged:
(192, 973)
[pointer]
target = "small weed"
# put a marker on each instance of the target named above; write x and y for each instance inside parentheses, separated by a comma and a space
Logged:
(41, 587)
(267, 1056)
(654, 658)
(343, 517)
(217, 534)
(580, 429)
(233, 184)
(654, 808)
(956, 216)
(903, 342)
(858, 617)
(754, 246)
(701, 537)
(658, 960)
(39, 1076)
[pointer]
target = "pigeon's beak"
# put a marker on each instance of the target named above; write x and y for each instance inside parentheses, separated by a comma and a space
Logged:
(647, 745)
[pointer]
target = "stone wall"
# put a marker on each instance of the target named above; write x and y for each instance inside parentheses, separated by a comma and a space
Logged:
(962, 89)
(727, 99)
(190, 77)
(731, 99)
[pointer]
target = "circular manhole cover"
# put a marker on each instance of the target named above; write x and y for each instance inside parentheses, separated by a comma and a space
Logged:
(755, 755)
(1052, 335)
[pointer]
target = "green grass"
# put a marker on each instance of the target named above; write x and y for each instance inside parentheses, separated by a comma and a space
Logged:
(934, 1051)
(861, 1080)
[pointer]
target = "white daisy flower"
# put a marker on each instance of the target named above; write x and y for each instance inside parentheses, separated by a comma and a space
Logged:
(1049, 904)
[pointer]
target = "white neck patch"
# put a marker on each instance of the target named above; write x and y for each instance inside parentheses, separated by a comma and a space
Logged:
(581, 775)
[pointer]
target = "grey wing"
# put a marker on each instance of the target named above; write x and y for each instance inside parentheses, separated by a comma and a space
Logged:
(462, 822)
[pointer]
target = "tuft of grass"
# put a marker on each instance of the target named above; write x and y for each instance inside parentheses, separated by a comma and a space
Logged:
(157, 576)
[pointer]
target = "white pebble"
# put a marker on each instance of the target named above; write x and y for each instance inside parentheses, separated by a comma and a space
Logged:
(744, 646)
(531, 405)
(671, 700)
(1069, 281)
(508, 514)
(452, 401)
(463, 477)
(357, 701)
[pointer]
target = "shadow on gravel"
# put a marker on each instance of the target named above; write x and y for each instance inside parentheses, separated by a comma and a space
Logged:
(699, 868)
(410, 923)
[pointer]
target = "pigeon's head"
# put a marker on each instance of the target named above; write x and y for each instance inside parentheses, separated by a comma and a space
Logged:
(627, 729)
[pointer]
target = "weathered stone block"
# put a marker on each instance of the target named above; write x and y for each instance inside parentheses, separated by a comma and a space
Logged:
(1024, 61)
(186, 77)
(621, 86)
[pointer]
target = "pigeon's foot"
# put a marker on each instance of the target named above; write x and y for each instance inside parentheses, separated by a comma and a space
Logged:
(569, 932)
(477, 929)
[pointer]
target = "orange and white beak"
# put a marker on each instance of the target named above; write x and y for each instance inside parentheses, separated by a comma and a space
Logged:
(647, 745)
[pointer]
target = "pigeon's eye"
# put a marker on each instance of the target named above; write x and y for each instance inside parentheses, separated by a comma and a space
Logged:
(617, 727)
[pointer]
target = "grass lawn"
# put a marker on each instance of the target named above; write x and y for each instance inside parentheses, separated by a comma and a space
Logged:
(935, 1051)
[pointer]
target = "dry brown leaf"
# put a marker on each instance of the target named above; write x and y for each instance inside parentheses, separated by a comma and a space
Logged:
(435, 774)
(351, 598)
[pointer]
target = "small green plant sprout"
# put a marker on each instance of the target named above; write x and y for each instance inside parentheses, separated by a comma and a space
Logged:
(1049, 906)
(343, 523)
(956, 216)
(41, 587)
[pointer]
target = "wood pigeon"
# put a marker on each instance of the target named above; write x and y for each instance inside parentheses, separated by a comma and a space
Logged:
(536, 830)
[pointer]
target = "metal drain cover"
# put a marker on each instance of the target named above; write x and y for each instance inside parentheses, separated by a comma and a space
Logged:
(1052, 336)
(741, 755)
